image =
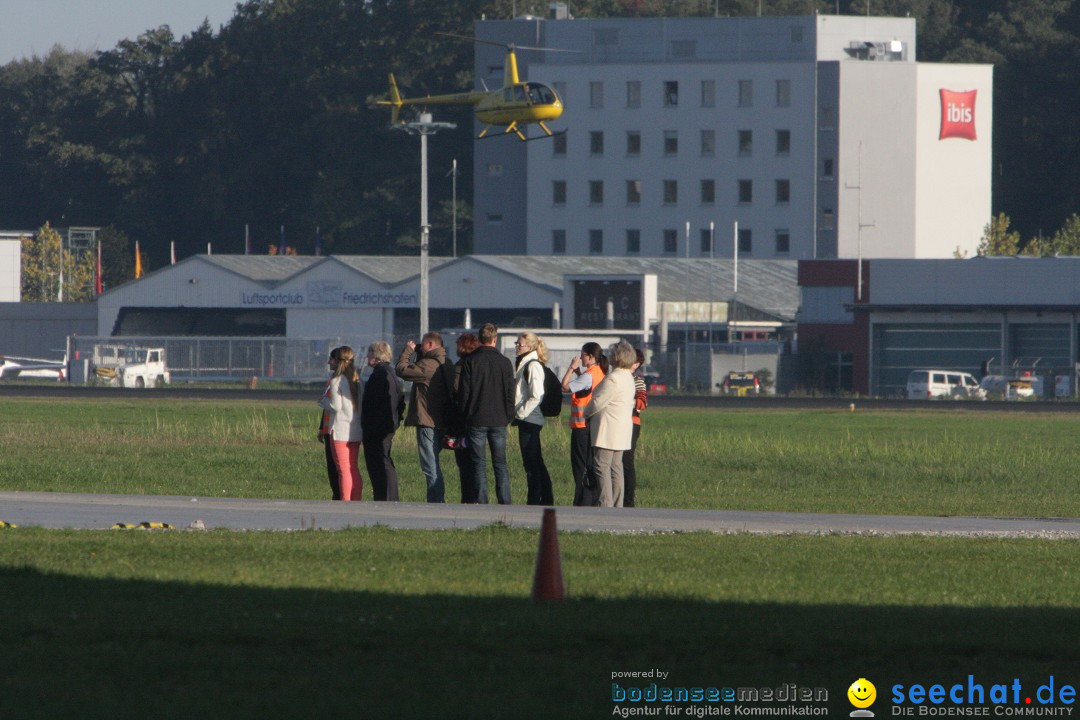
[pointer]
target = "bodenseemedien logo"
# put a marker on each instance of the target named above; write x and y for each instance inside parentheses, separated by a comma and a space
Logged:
(862, 695)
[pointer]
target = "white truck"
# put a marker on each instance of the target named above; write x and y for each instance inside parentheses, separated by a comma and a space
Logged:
(130, 367)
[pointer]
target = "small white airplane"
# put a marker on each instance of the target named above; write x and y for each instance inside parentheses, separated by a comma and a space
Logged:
(12, 366)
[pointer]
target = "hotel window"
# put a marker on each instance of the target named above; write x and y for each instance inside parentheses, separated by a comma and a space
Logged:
(596, 143)
(746, 142)
(783, 142)
(783, 93)
(783, 242)
(671, 142)
(708, 93)
(746, 240)
(633, 192)
(596, 94)
(706, 241)
(671, 192)
(495, 218)
(671, 242)
(746, 93)
(559, 145)
(671, 93)
(596, 242)
(783, 192)
(828, 218)
(494, 169)
(708, 192)
(596, 192)
(558, 192)
(827, 168)
(633, 93)
(746, 192)
(558, 242)
(633, 242)
(633, 143)
(708, 143)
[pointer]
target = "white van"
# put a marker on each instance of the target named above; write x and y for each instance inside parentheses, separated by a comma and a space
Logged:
(928, 384)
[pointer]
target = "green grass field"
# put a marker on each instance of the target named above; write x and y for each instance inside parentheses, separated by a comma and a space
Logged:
(378, 623)
(922, 463)
(385, 623)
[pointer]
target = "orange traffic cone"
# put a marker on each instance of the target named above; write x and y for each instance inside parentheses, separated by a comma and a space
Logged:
(548, 582)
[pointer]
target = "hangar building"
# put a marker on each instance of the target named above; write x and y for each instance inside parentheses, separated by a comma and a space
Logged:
(997, 315)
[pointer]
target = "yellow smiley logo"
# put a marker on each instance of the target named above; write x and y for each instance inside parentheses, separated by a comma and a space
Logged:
(862, 693)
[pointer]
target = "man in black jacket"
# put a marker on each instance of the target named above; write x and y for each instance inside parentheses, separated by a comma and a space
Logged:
(486, 399)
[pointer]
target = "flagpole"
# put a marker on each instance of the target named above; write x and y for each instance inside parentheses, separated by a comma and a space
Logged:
(98, 285)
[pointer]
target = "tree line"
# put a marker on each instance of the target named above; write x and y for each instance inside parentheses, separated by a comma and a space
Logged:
(262, 128)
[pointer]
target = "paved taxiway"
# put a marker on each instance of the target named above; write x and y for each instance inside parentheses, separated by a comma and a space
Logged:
(84, 511)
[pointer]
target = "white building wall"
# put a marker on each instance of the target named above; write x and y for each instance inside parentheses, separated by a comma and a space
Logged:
(473, 284)
(876, 179)
(10, 270)
(953, 175)
(725, 166)
(190, 283)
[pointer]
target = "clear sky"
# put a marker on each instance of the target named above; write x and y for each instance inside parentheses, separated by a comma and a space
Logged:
(32, 27)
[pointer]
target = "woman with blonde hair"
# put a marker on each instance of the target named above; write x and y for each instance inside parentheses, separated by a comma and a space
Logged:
(340, 428)
(528, 393)
(611, 423)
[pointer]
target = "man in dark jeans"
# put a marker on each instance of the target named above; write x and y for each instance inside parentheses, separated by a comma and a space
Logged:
(486, 399)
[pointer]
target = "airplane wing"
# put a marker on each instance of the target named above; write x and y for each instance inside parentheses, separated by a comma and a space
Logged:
(12, 366)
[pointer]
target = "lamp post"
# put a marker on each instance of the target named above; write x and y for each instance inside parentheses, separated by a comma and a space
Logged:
(424, 127)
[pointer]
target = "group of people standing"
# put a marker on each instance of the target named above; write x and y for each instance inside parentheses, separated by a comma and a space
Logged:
(466, 407)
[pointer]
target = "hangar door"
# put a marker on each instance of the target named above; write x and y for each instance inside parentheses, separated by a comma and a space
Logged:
(900, 348)
(1040, 347)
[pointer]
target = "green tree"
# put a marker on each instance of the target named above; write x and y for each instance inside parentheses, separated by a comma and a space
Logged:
(997, 239)
(117, 257)
(42, 257)
(1066, 241)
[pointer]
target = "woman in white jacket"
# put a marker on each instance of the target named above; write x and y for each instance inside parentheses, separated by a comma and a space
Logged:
(528, 392)
(340, 428)
(611, 423)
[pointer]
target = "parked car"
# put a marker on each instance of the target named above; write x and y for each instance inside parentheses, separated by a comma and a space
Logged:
(654, 385)
(1012, 388)
(741, 383)
(929, 384)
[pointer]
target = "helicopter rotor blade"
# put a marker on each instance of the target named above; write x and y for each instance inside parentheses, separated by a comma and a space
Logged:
(508, 46)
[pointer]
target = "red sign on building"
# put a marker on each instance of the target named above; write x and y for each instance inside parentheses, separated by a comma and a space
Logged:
(957, 114)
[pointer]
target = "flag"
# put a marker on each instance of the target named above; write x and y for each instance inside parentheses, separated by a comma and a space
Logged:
(138, 261)
(98, 286)
(247, 239)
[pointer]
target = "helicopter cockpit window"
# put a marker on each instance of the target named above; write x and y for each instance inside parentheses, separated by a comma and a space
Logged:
(519, 93)
(541, 94)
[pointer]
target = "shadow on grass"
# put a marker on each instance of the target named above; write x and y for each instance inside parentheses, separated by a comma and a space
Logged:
(77, 647)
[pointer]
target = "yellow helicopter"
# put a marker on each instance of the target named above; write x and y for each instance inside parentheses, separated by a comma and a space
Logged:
(514, 106)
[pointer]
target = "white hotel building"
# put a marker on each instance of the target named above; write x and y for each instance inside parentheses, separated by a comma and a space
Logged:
(821, 136)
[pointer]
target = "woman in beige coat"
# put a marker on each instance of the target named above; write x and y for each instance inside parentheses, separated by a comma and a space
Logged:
(611, 423)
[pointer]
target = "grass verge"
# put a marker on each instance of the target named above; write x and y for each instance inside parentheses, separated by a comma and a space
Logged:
(890, 462)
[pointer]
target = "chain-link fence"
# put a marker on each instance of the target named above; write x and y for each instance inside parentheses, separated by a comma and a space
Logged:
(210, 359)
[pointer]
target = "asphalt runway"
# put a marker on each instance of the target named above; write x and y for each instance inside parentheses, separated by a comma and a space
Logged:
(102, 512)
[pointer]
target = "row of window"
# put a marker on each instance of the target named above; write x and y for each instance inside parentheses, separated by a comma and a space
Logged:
(667, 94)
(669, 242)
(670, 192)
(706, 143)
